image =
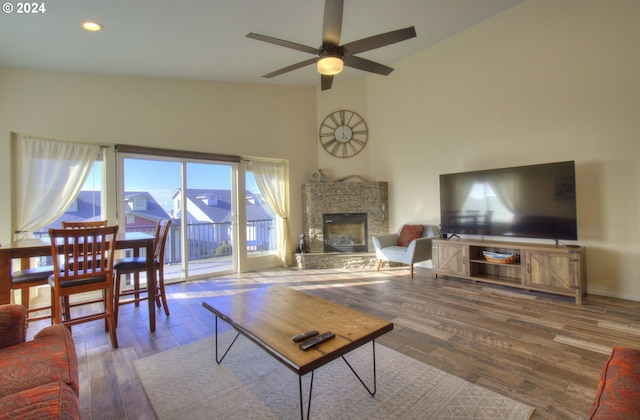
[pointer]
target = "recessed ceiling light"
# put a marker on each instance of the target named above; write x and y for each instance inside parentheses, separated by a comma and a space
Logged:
(92, 26)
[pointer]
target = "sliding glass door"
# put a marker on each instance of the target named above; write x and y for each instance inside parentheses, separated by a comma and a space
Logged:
(197, 196)
(208, 218)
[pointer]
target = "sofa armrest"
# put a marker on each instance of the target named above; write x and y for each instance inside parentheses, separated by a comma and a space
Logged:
(383, 241)
(618, 394)
(13, 325)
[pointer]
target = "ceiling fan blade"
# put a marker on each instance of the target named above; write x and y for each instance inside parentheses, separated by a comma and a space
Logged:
(326, 82)
(366, 65)
(290, 68)
(332, 23)
(378, 41)
(283, 43)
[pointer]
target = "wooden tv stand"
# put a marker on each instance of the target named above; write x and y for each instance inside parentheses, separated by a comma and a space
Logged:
(547, 268)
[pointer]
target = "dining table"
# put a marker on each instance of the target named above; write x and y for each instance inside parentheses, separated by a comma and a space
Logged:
(41, 247)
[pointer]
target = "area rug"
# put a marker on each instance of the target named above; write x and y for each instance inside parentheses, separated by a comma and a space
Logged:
(186, 383)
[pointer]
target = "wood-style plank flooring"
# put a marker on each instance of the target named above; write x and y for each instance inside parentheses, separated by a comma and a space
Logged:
(540, 349)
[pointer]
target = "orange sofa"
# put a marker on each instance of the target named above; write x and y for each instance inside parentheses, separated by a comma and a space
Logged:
(38, 378)
(618, 395)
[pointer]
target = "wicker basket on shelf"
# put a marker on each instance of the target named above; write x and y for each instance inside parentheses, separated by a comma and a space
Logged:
(501, 258)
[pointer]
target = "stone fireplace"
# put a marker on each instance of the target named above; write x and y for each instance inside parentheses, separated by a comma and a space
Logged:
(368, 200)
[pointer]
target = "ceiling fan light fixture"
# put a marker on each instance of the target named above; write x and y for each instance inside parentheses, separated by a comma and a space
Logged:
(92, 26)
(329, 66)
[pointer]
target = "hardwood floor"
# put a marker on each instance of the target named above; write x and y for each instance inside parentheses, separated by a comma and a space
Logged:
(540, 349)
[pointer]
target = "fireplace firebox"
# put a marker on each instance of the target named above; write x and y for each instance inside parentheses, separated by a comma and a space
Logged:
(345, 232)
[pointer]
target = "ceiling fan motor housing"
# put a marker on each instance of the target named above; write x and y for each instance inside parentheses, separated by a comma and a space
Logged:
(331, 51)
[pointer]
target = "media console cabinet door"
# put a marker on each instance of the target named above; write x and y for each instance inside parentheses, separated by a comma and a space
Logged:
(451, 258)
(550, 270)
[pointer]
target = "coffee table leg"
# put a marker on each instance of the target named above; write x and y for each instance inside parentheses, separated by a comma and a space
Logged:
(309, 401)
(372, 393)
(228, 348)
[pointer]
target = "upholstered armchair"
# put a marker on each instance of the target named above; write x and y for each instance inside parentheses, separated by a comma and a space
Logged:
(411, 244)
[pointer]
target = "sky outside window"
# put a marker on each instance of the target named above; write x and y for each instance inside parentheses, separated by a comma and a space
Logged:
(162, 178)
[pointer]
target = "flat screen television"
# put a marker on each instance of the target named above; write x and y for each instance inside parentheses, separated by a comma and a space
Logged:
(535, 201)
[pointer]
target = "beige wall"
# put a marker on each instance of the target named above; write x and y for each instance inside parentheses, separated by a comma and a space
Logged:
(256, 120)
(547, 80)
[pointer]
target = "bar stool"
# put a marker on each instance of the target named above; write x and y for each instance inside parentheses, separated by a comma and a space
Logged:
(27, 278)
(96, 248)
(137, 265)
(84, 225)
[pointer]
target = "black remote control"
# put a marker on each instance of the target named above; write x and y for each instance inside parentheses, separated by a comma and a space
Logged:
(316, 340)
(301, 337)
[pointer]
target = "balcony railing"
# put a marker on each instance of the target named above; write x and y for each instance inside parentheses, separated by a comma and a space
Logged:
(210, 240)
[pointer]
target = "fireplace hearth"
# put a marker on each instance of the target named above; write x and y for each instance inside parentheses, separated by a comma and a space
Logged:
(345, 232)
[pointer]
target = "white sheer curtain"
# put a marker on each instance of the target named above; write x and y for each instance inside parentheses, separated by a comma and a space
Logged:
(272, 183)
(49, 176)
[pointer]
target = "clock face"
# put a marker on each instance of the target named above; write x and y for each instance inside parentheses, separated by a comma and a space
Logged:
(343, 134)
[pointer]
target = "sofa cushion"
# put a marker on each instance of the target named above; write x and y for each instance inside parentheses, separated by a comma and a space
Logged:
(618, 394)
(409, 233)
(54, 400)
(50, 356)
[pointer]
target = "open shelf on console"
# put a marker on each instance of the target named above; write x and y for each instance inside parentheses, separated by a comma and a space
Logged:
(496, 272)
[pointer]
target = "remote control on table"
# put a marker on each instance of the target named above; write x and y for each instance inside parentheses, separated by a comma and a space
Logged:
(316, 340)
(301, 337)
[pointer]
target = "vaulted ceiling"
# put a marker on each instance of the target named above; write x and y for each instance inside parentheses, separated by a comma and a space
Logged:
(206, 39)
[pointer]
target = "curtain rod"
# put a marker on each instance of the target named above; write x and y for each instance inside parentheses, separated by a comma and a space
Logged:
(142, 150)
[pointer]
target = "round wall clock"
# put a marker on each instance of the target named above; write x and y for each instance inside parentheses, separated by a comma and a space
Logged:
(343, 134)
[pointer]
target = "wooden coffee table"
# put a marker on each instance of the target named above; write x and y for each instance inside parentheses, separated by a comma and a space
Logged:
(271, 316)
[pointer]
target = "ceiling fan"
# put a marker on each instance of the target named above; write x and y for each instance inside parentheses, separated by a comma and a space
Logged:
(331, 56)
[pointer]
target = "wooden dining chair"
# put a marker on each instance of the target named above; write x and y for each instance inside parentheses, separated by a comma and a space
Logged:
(137, 265)
(24, 280)
(133, 265)
(84, 224)
(94, 245)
